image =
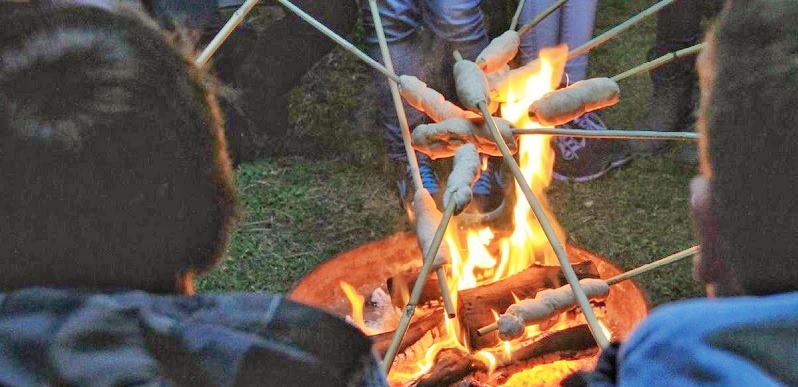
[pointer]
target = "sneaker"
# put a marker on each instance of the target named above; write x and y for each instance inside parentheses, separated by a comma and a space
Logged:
(404, 182)
(580, 159)
(489, 189)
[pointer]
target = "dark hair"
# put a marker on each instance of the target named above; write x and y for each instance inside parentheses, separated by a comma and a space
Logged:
(753, 143)
(113, 168)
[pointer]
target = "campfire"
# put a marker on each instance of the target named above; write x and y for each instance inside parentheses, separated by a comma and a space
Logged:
(490, 270)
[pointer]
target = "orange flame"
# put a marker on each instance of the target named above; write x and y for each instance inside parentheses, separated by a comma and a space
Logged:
(474, 264)
(356, 301)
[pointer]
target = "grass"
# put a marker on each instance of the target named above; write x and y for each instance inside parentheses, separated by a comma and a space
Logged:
(301, 210)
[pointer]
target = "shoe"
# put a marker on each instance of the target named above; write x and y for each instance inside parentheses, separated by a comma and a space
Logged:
(489, 189)
(404, 182)
(580, 159)
(672, 102)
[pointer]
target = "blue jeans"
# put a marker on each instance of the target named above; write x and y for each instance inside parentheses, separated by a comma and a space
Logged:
(454, 24)
(572, 24)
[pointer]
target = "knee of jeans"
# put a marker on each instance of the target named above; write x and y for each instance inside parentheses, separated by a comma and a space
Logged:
(397, 22)
(457, 24)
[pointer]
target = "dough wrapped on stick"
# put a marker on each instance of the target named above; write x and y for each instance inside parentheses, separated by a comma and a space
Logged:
(471, 85)
(442, 139)
(545, 305)
(427, 220)
(564, 105)
(427, 100)
(464, 173)
(499, 52)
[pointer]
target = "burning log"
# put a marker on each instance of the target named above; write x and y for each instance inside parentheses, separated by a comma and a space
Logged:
(524, 284)
(452, 365)
(477, 305)
(429, 324)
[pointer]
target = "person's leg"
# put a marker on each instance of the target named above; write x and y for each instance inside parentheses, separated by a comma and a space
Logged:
(578, 19)
(459, 25)
(401, 19)
(545, 34)
(671, 105)
(284, 52)
(577, 159)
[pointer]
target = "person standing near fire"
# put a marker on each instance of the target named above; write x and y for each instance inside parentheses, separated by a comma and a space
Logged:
(117, 191)
(577, 159)
(745, 212)
(452, 25)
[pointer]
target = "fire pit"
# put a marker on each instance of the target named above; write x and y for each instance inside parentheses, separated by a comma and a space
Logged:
(491, 270)
(563, 347)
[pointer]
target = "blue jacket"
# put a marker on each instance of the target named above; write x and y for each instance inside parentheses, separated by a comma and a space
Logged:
(64, 337)
(736, 341)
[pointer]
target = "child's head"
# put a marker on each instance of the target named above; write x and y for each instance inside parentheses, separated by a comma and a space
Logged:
(113, 168)
(746, 202)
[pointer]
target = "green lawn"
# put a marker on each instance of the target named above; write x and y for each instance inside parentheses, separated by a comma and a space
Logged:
(303, 209)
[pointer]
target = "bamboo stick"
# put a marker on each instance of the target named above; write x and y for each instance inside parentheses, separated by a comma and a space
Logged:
(675, 257)
(517, 14)
(397, 98)
(663, 60)
(539, 18)
(238, 16)
(625, 276)
(411, 153)
(611, 133)
(410, 309)
(338, 39)
(617, 30)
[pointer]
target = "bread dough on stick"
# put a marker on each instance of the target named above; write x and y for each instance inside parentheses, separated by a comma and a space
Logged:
(427, 220)
(442, 139)
(564, 105)
(496, 80)
(427, 100)
(471, 85)
(546, 304)
(499, 52)
(464, 173)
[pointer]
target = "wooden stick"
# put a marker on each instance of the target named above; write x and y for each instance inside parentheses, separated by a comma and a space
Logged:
(665, 59)
(338, 39)
(551, 235)
(410, 309)
(238, 16)
(539, 18)
(397, 98)
(514, 20)
(411, 153)
(611, 133)
(655, 265)
(617, 30)
(625, 276)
